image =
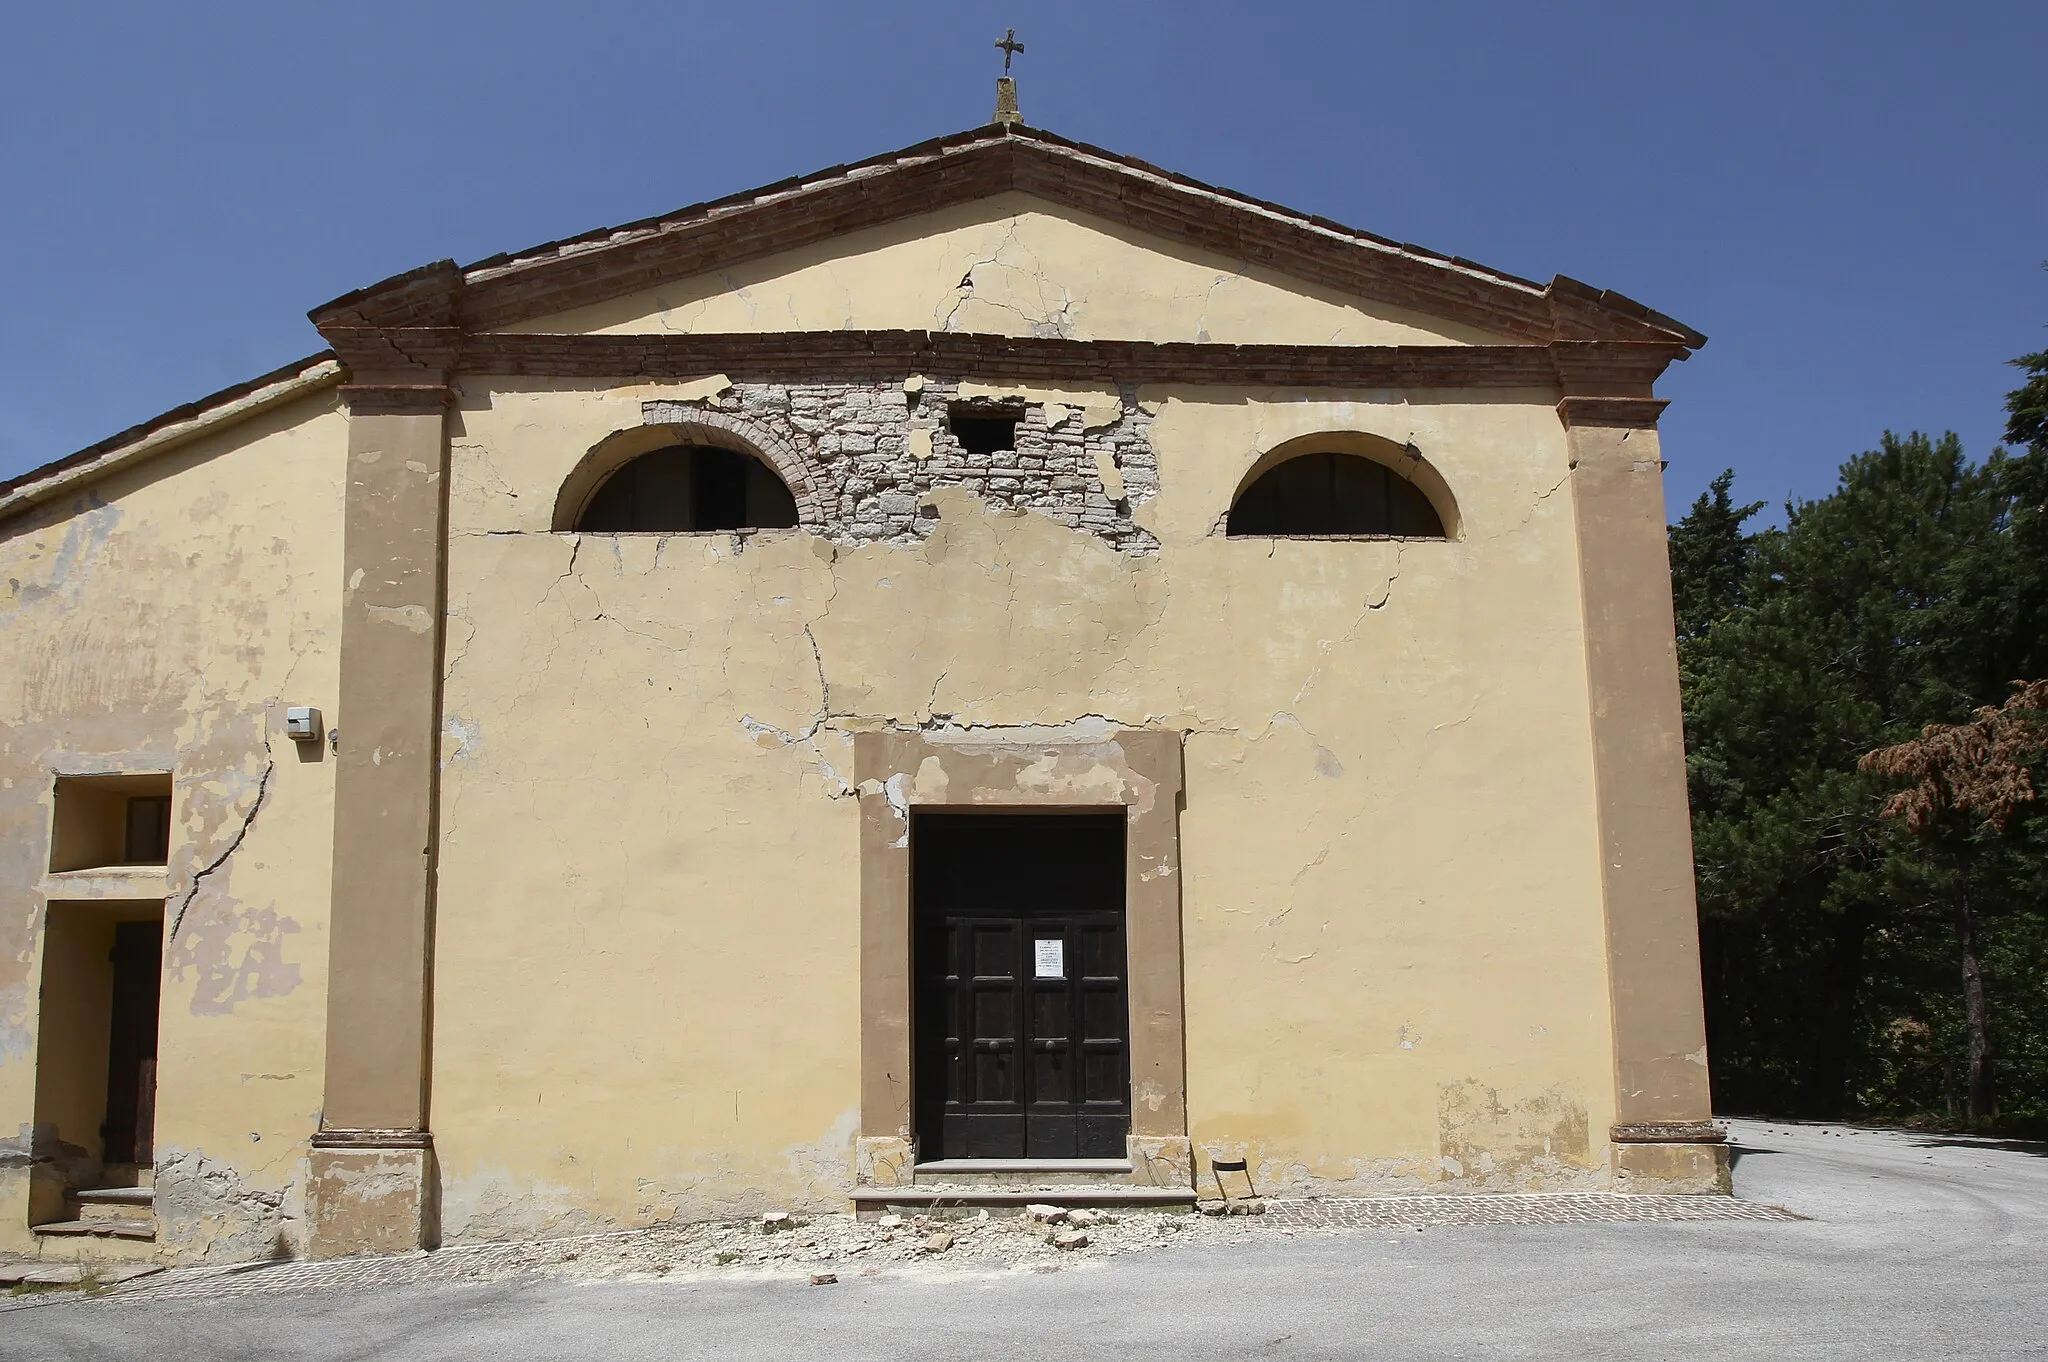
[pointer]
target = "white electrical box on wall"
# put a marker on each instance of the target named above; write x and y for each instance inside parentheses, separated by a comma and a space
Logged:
(302, 724)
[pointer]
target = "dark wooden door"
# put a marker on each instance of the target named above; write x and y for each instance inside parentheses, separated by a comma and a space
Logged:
(1022, 1028)
(138, 960)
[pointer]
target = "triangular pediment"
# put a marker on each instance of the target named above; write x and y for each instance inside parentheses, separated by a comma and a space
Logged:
(1001, 231)
(1011, 265)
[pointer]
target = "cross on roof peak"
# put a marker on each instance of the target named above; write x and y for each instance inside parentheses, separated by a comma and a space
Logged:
(1006, 89)
(1011, 47)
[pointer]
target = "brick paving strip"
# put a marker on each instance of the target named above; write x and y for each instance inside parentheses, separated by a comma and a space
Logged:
(844, 1244)
(1506, 1208)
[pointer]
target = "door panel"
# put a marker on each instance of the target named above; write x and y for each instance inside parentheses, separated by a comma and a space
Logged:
(138, 963)
(1011, 1064)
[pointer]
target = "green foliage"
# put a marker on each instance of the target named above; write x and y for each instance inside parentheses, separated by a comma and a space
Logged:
(1913, 594)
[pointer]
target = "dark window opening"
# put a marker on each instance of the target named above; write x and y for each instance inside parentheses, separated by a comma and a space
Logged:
(111, 820)
(690, 487)
(148, 840)
(983, 429)
(1334, 495)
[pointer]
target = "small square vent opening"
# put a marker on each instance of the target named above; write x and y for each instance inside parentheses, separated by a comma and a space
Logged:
(111, 820)
(982, 428)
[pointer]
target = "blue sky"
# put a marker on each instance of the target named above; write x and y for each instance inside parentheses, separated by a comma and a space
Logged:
(1850, 200)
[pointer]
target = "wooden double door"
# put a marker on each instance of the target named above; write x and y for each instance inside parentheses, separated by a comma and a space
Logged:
(1021, 1018)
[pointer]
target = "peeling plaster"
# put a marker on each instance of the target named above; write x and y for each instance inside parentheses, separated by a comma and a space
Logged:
(208, 1210)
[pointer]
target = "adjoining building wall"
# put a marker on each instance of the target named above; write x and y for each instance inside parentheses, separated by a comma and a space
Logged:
(1012, 265)
(647, 950)
(162, 619)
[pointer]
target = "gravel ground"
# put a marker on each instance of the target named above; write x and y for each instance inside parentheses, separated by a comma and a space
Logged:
(1889, 1244)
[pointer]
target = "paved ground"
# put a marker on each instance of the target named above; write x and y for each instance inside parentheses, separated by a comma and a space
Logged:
(1916, 1247)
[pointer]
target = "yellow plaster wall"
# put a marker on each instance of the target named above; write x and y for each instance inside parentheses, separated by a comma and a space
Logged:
(1011, 265)
(647, 956)
(162, 619)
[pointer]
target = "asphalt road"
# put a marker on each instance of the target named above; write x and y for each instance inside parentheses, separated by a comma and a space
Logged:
(1919, 1247)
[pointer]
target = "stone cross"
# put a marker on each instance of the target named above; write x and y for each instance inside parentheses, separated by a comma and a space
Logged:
(1011, 47)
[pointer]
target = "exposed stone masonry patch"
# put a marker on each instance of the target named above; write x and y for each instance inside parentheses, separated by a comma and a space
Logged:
(863, 446)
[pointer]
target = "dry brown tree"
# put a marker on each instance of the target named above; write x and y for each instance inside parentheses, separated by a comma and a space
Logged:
(1977, 769)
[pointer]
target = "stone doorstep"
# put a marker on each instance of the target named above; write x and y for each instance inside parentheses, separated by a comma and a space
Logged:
(115, 1203)
(1022, 1172)
(117, 1229)
(869, 1202)
(35, 1273)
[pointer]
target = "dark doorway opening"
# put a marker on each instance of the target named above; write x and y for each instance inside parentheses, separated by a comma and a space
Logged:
(96, 1051)
(138, 961)
(1021, 1020)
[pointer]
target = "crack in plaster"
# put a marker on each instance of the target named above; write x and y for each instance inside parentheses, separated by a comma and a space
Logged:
(1326, 646)
(818, 721)
(248, 821)
(1053, 321)
(1208, 300)
(1537, 504)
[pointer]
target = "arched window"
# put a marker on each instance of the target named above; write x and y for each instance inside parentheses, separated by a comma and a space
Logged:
(1332, 494)
(689, 487)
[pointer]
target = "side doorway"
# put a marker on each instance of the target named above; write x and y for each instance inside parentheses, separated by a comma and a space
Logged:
(96, 1052)
(1020, 1008)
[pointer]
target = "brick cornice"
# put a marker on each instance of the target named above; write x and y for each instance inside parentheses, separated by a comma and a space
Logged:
(396, 351)
(977, 165)
(1634, 413)
(396, 399)
(1562, 366)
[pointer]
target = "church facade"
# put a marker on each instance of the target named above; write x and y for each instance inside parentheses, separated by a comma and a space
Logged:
(997, 664)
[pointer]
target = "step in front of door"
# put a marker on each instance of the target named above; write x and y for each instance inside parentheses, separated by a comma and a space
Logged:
(116, 1203)
(109, 1213)
(954, 1195)
(104, 1229)
(1023, 1172)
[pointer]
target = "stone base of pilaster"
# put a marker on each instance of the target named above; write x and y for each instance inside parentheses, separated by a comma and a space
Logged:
(1162, 1160)
(372, 1192)
(883, 1161)
(1685, 1158)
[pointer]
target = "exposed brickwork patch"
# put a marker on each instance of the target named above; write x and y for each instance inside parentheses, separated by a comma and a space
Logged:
(861, 456)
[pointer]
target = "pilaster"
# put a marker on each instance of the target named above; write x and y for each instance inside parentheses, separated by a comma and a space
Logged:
(373, 1180)
(1663, 1139)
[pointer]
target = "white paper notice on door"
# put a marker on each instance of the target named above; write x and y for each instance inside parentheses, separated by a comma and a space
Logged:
(1050, 958)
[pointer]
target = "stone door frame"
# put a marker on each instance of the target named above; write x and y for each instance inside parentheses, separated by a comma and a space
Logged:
(1138, 769)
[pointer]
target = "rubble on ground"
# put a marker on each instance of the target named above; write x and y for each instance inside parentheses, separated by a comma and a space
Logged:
(830, 1248)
